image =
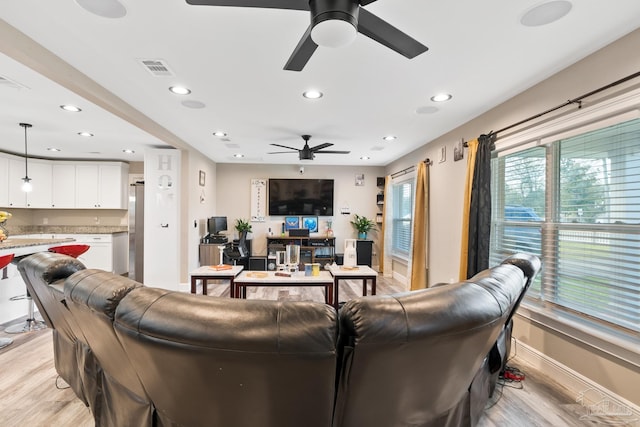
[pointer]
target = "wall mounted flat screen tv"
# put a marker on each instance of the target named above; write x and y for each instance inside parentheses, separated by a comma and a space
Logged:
(301, 197)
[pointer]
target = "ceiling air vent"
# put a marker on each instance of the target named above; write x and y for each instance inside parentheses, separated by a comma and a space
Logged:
(7, 82)
(157, 67)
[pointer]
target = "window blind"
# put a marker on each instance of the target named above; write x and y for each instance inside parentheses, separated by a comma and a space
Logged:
(402, 217)
(585, 191)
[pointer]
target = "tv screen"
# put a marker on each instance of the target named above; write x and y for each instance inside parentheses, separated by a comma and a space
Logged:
(301, 197)
(216, 224)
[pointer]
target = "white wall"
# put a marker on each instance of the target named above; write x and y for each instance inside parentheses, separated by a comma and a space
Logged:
(233, 197)
(612, 63)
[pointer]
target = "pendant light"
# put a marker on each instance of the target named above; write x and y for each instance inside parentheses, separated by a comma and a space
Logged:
(26, 185)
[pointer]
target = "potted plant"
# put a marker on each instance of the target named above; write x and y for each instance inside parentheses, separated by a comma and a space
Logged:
(363, 225)
(242, 227)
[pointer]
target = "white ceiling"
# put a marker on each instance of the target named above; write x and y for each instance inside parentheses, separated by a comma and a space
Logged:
(232, 59)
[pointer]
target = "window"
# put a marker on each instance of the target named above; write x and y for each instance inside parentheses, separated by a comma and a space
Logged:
(576, 203)
(402, 201)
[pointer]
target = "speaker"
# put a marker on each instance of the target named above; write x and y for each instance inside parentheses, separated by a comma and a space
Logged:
(257, 263)
(299, 232)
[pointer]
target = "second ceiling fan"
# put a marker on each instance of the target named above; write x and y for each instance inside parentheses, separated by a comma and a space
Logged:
(309, 153)
(334, 23)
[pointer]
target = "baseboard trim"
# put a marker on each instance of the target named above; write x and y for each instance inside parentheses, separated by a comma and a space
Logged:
(573, 381)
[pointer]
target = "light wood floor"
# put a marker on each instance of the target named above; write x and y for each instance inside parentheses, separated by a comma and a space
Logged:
(29, 395)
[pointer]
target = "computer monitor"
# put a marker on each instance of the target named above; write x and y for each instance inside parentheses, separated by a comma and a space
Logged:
(216, 224)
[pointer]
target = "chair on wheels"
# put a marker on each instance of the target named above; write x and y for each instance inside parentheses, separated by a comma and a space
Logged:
(32, 324)
(5, 260)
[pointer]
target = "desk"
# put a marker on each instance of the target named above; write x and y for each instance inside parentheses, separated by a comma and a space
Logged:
(363, 272)
(268, 278)
(206, 273)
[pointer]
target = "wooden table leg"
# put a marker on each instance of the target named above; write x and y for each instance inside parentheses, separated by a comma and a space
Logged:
(336, 298)
(193, 284)
(204, 286)
(232, 288)
(373, 285)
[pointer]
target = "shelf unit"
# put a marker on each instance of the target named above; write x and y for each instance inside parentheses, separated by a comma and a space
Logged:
(380, 199)
(312, 249)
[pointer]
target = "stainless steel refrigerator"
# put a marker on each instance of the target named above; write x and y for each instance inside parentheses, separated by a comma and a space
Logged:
(136, 232)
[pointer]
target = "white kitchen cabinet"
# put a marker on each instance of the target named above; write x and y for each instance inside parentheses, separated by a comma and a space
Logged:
(63, 191)
(108, 252)
(17, 197)
(101, 185)
(40, 174)
(4, 181)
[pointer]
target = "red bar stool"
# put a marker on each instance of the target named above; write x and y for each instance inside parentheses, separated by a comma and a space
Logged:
(5, 260)
(71, 250)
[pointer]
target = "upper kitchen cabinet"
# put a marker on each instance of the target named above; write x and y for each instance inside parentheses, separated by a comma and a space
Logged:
(101, 185)
(63, 193)
(4, 181)
(40, 174)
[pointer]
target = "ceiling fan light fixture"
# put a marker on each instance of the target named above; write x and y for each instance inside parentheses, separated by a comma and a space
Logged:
(334, 33)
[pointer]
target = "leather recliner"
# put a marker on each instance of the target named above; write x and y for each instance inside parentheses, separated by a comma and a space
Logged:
(227, 362)
(409, 358)
(44, 274)
(92, 296)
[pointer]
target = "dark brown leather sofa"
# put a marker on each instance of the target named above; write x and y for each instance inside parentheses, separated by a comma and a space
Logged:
(414, 358)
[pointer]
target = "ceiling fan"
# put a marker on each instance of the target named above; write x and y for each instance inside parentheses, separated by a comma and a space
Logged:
(309, 153)
(334, 23)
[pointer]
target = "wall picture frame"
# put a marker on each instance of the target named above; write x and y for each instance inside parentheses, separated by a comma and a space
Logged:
(201, 178)
(291, 222)
(310, 222)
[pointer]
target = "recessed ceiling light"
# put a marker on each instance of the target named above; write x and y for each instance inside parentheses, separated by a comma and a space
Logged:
(85, 134)
(220, 134)
(441, 97)
(238, 155)
(312, 94)
(128, 151)
(545, 13)
(180, 90)
(389, 137)
(71, 108)
(53, 149)
(365, 158)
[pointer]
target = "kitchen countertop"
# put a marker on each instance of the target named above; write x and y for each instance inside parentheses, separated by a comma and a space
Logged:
(17, 242)
(66, 229)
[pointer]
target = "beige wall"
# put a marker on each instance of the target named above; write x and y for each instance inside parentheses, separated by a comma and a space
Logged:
(233, 197)
(614, 62)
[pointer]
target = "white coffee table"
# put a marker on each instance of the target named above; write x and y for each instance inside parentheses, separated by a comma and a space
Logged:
(206, 273)
(360, 272)
(269, 278)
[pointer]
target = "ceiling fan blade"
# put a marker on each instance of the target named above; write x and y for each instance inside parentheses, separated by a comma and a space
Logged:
(384, 33)
(267, 4)
(284, 146)
(321, 146)
(301, 53)
(332, 152)
(366, 2)
(280, 152)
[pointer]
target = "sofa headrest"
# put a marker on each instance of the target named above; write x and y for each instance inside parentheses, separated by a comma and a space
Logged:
(50, 266)
(238, 325)
(100, 290)
(444, 310)
(529, 264)
(504, 282)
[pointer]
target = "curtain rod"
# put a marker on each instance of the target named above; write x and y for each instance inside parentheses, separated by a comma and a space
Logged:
(577, 100)
(410, 169)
